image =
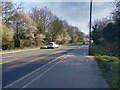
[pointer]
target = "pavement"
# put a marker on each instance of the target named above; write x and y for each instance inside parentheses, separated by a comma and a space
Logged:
(73, 70)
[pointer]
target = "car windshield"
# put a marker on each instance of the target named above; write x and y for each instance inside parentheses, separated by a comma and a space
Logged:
(51, 43)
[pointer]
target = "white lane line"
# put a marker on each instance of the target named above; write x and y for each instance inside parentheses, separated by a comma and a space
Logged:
(33, 71)
(42, 73)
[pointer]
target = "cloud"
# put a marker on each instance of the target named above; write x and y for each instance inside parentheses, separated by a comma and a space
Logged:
(76, 14)
(101, 10)
(62, 0)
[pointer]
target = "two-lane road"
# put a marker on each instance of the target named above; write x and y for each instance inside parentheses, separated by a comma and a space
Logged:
(65, 67)
(18, 64)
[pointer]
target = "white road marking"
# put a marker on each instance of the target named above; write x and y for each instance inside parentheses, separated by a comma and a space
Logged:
(32, 72)
(36, 71)
(42, 73)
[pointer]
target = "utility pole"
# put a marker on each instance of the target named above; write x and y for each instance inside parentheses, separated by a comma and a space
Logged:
(90, 27)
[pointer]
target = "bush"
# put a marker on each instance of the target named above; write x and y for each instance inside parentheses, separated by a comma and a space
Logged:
(99, 50)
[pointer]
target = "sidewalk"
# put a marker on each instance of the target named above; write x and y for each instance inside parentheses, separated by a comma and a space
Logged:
(75, 71)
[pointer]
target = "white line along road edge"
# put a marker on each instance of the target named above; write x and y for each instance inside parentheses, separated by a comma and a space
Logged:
(37, 70)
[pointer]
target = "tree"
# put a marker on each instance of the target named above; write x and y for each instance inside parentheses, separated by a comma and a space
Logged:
(75, 34)
(57, 28)
(15, 19)
(23, 25)
(43, 18)
(63, 38)
(98, 27)
(7, 38)
(110, 36)
(70, 31)
(8, 11)
(109, 33)
(116, 18)
(50, 26)
(66, 37)
(0, 35)
(80, 35)
(116, 14)
(37, 27)
(106, 31)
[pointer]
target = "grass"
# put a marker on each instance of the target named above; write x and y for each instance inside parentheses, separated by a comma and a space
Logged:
(110, 69)
(99, 50)
(109, 65)
(43, 47)
(20, 49)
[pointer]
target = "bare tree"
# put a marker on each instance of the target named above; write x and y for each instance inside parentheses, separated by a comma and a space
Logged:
(8, 10)
(43, 18)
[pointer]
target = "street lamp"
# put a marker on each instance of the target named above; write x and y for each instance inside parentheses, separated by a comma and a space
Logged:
(90, 27)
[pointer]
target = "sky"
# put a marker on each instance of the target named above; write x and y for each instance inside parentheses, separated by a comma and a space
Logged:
(75, 12)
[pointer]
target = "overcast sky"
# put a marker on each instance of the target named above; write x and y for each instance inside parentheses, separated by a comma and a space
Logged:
(75, 12)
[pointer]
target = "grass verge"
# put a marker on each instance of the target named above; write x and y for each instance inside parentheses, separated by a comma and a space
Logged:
(20, 49)
(99, 50)
(110, 67)
(108, 64)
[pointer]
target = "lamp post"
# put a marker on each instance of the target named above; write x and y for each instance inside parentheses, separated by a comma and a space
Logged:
(90, 27)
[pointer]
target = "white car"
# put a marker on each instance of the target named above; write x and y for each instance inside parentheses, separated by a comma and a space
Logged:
(52, 45)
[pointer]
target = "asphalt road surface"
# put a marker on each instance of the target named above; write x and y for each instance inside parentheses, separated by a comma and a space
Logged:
(65, 67)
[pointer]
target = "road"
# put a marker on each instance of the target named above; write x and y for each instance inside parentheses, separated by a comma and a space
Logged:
(65, 67)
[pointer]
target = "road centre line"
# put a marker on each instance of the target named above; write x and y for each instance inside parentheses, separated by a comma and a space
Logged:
(33, 71)
(43, 73)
